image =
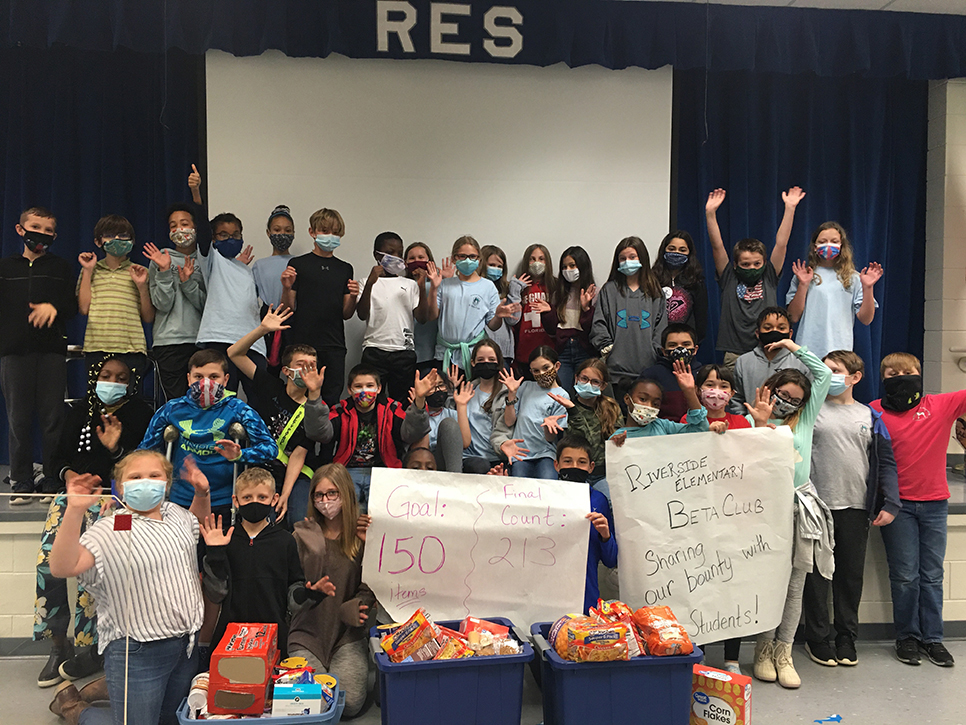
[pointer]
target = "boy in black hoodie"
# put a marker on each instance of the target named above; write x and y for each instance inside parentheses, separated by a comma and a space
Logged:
(678, 342)
(253, 570)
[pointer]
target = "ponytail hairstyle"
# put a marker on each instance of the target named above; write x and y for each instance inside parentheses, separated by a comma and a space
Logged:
(689, 276)
(648, 281)
(608, 411)
(497, 385)
(489, 250)
(788, 375)
(547, 279)
(565, 288)
(844, 265)
(339, 476)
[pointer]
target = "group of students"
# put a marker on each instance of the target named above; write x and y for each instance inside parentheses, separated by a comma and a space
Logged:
(465, 368)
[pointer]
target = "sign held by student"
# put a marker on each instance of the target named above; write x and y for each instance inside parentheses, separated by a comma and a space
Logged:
(482, 545)
(704, 526)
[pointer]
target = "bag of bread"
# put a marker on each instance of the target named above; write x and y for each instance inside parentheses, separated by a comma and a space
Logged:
(597, 642)
(557, 637)
(662, 634)
(616, 611)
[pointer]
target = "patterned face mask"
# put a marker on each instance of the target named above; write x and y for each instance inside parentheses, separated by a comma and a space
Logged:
(183, 237)
(828, 251)
(205, 392)
(782, 408)
(364, 398)
(643, 414)
(714, 398)
(281, 242)
(546, 380)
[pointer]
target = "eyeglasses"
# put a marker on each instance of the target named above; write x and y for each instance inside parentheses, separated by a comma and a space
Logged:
(332, 495)
(471, 257)
(791, 401)
(222, 236)
(584, 380)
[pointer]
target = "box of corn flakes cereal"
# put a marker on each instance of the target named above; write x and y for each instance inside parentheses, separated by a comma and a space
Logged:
(719, 697)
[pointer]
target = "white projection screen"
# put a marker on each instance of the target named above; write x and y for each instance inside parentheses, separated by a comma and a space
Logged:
(510, 154)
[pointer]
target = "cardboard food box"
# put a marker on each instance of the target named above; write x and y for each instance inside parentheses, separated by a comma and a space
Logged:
(303, 699)
(241, 669)
(719, 697)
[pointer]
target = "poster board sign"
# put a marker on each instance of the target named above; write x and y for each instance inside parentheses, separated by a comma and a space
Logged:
(704, 525)
(483, 545)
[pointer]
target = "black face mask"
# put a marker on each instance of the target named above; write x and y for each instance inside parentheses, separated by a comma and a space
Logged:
(767, 338)
(573, 475)
(902, 393)
(749, 277)
(254, 512)
(679, 353)
(37, 241)
(486, 370)
(437, 399)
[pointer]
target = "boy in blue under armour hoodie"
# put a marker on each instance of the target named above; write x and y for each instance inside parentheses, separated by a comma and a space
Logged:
(203, 417)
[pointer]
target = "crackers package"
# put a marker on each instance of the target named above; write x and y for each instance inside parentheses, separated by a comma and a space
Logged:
(241, 668)
(662, 634)
(719, 697)
(597, 642)
(415, 639)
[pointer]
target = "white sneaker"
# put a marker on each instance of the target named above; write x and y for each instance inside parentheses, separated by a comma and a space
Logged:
(787, 676)
(732, 667)
(765, 661)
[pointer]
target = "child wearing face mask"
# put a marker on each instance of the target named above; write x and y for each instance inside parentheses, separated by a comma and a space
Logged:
(485, 409)
(789, 398)
(535, 271)
(510, 290)
(366, 429)
(678, 342)
(114, 294)
(319, 287)
(390, 304)
(178, 294)
(268, 276)
(915, 542)
(281, 406)
(827, 294)
(333, 636)
(418, 256)
(253, 570)
(753, 368)
(143, 572)
(716, 387)
(677, 268)
(630, 316)
(449, 427)
(535, 415)
(854, 472)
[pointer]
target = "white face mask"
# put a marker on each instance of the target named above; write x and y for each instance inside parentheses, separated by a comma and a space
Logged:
(537, 268)
(643, 414)
(571, 275)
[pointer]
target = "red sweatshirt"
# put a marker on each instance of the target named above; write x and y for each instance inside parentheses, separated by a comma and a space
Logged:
(530, 332)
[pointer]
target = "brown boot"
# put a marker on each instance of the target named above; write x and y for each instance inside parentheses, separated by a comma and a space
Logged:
(95, 691)
(67, 703)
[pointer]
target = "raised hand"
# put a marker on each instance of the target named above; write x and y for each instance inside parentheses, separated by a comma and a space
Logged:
(83, 491)
(683, 375)
(513, 450)
(787, 343)
(793, 196)
(109, 432)
(425, 385)
(565, 402)
(463, 394)
(190, 473)
(449, 269)
(525, 280)
(247, 255)
(160, 257)
(194, 178)
(322, 585)
(540, 306)
(804, 273)
(185, 270)
(587, 297)
(229, 450)
(288, 277)
(87, 260)
(274, 320)
(715, 199)
(507, 309)
(761, 410)
(599, 522)
(139, 275)
(455, 375)
(871, 274)
(434, 275)
(512, 383)
(42, 314)
(212, 532)
(313, 378)
(362, 526)
(354, 287)
(551, 424)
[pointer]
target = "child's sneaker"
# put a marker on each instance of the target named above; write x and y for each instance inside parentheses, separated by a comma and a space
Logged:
(821, 653)
(50, 487)
(19, 489)
(907, 650)
(732, 667)
(845, 653)
(938, 654)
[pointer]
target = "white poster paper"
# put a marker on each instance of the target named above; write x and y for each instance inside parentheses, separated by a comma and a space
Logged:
(482, 545)
(704, 525)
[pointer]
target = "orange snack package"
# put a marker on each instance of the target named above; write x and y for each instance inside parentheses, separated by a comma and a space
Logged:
(557, 637)
(474, 624)
(662, 634)
(416, 638)
(617, 611)
(597, 642)
(453, 649)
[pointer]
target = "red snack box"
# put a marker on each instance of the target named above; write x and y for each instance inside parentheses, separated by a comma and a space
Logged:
(241, 668)
(473, 624)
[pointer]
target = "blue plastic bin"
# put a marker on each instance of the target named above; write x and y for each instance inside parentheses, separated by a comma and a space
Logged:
(329, 717)
(481, 690)
(642, 690)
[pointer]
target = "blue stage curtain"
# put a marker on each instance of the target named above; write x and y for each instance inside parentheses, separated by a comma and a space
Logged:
(857, 146)
(88, 133)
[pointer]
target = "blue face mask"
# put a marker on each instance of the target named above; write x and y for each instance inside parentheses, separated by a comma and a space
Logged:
(838, 384)
(229, 248)
(675, 259)
(119, 247)
(494, 273)
(629, 266)
(327, 242)
(466, 267)
(586, 390)
(144, 494)
(110, 393)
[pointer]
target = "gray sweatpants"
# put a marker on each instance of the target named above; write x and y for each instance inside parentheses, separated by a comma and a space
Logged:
(350, 664)
(33, 384)
(449, 446)
(792, 613)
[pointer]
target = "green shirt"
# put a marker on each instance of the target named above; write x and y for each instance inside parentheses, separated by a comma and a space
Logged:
(583, 421)
(114, 319)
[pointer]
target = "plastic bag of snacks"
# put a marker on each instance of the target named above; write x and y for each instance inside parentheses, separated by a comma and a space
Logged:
(586, 639)
(453, 649)
(661, 631)
(617, 611)
(416, 639)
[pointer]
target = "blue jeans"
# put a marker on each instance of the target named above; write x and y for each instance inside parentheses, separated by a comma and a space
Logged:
(571, 354)
(534, 468)
(915, 545)
(159, 677)
(298, 500)
(361, 478)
